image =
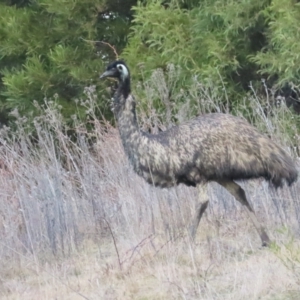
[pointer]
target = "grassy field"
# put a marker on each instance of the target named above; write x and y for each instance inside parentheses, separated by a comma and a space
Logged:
(77, 223)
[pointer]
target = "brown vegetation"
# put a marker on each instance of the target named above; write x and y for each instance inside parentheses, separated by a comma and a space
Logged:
(79, 224)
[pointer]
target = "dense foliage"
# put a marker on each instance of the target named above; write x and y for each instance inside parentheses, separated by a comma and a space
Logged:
(225, 44)
(281, 56)
(47, 47)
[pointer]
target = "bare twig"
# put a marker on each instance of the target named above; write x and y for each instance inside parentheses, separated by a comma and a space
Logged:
(104, 43)
(111, 47)
(115, 243)
(141, 244)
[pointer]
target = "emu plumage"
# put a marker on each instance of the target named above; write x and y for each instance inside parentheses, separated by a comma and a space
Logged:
(213, 147)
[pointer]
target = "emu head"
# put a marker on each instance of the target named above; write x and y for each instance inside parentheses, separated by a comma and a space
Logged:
(120, 71)
(117, 69)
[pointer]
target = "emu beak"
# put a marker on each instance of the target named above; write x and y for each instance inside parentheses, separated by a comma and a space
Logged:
(109, 73)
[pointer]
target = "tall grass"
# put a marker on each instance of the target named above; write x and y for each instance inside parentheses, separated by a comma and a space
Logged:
(59, 194)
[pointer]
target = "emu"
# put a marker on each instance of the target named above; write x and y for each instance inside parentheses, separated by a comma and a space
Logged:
(212, 147)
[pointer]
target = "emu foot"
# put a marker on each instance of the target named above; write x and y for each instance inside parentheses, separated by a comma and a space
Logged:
(201, 207)
(266, 242)
(192, 231)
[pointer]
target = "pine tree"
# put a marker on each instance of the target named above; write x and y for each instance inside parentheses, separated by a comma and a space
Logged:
(47, 48)
(225, 44)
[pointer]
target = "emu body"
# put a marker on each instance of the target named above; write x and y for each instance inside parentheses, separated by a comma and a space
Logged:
(213, 147)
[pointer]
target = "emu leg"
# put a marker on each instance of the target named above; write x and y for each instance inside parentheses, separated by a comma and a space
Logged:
(200, 209)
(234, 189)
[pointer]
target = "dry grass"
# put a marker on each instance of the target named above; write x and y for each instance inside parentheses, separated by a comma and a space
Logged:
(77, 223)
(214, 268)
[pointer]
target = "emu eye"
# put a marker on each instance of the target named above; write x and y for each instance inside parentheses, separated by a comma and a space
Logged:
(120, 67)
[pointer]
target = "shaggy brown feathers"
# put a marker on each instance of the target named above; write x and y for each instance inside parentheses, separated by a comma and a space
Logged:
(213, 147)
(210, 147)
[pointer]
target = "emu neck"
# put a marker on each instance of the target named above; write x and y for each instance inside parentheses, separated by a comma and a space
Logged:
(124, 87)
(120, 97)
(124, 110)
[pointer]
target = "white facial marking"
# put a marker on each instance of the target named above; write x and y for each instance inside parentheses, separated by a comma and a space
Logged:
(123, 70)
